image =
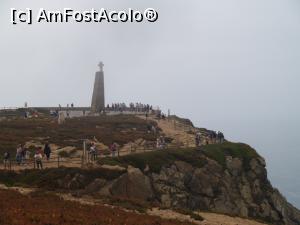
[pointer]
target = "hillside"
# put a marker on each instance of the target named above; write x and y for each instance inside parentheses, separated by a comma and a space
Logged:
(121, 129)
(41, 209)
(225, 178)
(228, 178)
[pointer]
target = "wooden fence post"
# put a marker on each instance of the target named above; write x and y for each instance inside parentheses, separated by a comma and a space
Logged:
(83, 154)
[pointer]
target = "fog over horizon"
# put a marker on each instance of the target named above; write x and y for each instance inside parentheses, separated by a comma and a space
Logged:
(227, 65)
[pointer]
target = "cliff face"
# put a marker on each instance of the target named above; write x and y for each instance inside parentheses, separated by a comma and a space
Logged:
(233, 191)
(223, 178)
(236, 184)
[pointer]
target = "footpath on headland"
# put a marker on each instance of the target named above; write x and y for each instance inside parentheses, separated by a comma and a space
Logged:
(182, 136)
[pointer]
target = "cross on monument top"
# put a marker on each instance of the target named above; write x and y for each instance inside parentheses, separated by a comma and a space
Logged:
(101, 65)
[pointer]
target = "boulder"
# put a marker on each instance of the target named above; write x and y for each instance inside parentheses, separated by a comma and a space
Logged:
(77, 182)
(133, 185)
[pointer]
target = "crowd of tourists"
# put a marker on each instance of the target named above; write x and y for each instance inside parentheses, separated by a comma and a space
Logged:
(24, 156)
(212, 137)
(132, 107)
(216, 137)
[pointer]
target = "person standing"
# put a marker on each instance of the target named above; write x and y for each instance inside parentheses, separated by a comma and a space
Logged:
(6, 159)
(92, 152)
(38, 158)
(23, 153)
(221, 137)
(19, 154)
(47, 151)
(113, 149)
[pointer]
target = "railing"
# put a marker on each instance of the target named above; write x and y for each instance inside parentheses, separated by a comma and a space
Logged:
(84, 160)
(12, 164)
(89, 159)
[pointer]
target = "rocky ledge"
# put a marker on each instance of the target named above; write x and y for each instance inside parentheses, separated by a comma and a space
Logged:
(229, 179)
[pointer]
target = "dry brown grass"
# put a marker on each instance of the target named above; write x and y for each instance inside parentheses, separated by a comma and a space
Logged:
(121, 129)
(45, 209)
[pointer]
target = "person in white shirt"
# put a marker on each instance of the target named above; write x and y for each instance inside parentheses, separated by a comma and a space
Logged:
(38, 158)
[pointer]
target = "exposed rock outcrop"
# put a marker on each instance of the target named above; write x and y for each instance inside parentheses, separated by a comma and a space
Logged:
(72, 183)
(235, 190)
(220, 180)
(133, 185)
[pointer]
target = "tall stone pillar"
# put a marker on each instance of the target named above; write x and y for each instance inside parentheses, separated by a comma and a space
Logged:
(98, 99)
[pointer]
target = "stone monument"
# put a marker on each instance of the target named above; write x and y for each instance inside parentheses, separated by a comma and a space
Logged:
(98, 99)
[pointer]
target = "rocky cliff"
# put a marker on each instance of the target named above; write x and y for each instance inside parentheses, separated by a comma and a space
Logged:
(224, 178)
(228, 179)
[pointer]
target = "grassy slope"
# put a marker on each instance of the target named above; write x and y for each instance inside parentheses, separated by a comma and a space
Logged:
(106, 129)
(156, 160)
(218, 152)
(48, 178)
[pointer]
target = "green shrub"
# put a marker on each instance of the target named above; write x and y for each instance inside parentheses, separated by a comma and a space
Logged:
(48, 178)
(190, 213)
(157, 159)
(218, 152)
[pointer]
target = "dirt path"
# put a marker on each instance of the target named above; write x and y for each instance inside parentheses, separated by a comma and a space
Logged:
(216, 219)
(209, 218)
(176, 130)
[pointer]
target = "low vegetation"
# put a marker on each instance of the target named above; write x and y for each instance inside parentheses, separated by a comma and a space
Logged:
(48, 178)
(190, 213)
(154, 160)
(42, 208)
(157, 159)
(218, 152)
(107, 129)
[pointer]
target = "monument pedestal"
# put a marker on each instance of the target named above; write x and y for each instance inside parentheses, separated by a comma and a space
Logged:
(98, 99)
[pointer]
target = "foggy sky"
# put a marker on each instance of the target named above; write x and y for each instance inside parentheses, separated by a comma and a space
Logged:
(231, 65)
(234, 58)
